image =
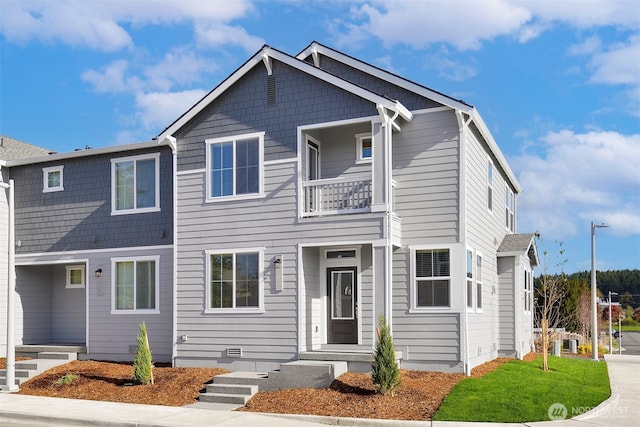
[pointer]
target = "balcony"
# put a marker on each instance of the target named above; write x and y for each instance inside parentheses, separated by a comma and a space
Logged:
(336, 196)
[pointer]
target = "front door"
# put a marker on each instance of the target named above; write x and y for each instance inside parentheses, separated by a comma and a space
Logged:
(342, 320)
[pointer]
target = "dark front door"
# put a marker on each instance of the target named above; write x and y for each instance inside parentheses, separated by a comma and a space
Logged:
(342, 310)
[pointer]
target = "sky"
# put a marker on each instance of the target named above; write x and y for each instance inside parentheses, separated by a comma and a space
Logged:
(556, 81)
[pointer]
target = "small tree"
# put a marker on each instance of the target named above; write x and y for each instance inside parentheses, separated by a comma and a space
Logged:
(142, 364)
(385, 371)
(550, 293)
(583, 315)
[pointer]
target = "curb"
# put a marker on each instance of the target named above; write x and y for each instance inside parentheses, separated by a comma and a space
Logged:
(345, 421)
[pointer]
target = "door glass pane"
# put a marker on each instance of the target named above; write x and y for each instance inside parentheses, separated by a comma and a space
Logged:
(342, 298)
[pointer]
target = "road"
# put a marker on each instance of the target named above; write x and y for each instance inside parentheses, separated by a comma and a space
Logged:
(631, 343)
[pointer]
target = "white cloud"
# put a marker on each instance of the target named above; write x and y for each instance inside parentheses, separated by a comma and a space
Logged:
(100, 24)
(157, 110)
(180, 66)
(585, 13)
(579, 178)
(449, 68)
(620, 64)
(112, 79)
(218, 34)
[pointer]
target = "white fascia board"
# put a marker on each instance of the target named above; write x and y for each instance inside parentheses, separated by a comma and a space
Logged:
(384, 75)
(86, 153)
(493, 146)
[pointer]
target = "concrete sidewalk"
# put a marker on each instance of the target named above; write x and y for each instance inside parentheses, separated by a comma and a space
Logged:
(621, 409)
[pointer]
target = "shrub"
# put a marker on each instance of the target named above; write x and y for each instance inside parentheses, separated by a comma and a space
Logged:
(66, 379)
(385, 371)
(636, 314)
(142, 364)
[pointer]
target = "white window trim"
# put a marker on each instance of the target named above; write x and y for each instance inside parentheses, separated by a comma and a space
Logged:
(234, 310)
(479, 285)
(156, 207)
(68, 284)
(234, 139)
(469, 280)
(359, 138)
(490, 186)
(135, 260)
(414, 291)
(528, 292)
(45, 179)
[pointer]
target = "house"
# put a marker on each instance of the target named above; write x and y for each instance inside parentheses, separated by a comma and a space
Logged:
(316, 193)
(93, 233)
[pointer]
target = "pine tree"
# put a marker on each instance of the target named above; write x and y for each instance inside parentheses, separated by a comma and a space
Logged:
(142, 364)
(385, 371)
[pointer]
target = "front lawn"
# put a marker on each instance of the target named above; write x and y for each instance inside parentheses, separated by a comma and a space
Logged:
(519, 391)
(629, 328)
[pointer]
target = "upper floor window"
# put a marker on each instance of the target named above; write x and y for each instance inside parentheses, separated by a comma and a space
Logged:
(431, 281)
(489, 185)
(135, 184)
(52, 179)
(234, 166)
(364, 148)
(510, 208)
(135, 284)
(234, 280)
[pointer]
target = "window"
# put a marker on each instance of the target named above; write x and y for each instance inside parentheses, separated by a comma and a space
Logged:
(52, 179)
(527, 291)
(479, 281)
(135, 184)
(489, 186)
(135, 284)
(469, 278)
(432, 278)
(234, 166)
(75, 276)
(364, 148)
(510, 207)
(235, 280)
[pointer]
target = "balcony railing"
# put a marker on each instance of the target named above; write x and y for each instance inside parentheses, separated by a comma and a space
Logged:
(337, 196)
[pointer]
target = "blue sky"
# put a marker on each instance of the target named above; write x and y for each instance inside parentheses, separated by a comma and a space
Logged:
(557, 82)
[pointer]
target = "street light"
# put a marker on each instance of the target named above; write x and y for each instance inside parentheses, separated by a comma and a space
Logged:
(610, 331)
(594, 312)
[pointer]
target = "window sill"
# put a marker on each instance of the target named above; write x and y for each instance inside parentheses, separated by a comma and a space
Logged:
(430, 310)
(52, 189)
(138, 312)
(234, 311)
(134, 211)
(234, 198)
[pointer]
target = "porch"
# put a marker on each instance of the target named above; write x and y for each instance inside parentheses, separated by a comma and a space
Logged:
(357, 357)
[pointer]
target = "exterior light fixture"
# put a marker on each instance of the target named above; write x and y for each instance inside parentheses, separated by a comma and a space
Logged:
(98, 272)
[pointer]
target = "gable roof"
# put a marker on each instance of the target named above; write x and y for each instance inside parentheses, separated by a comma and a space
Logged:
(519, 244)
(12, 149)
(316, 48)
(264, 56)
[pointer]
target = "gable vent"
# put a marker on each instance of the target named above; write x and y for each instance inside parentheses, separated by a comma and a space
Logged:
(271, 90)
(234, 352)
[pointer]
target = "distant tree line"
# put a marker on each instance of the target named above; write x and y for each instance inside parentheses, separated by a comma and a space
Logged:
(574, 305)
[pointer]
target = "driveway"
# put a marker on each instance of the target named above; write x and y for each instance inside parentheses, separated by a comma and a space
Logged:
(630, 343)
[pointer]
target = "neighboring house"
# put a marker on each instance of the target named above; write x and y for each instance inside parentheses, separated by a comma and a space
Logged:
(94, 249)
(316, 193)
(10, 149)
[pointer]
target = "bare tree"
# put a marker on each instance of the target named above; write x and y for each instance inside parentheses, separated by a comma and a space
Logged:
(583, 314)
(550, 293)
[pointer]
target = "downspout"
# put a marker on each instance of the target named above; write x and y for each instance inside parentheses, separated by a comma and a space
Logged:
(462, 198)
(10, 384)
(174, 308)
(387, 123)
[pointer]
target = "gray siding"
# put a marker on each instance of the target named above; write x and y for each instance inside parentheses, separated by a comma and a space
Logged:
(33, 314)
(68, 312)
(300, 99)
(79, 217)
(507, 307)
(425, 166)
(312, 298)
(409, 99)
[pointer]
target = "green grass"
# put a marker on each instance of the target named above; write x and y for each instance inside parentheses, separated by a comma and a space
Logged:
(629, 328)
(520, 391)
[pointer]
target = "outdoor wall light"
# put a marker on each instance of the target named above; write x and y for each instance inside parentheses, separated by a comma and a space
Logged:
(99, 272)
(277, 265)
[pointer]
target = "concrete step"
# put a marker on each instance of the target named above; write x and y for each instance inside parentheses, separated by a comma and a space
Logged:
(3, 378)
(54, 355)
(237, 399)
(305, 374)
(241, 377)
(243, 389)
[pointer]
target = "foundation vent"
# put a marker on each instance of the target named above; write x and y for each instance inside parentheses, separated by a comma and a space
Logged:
(234, 352)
